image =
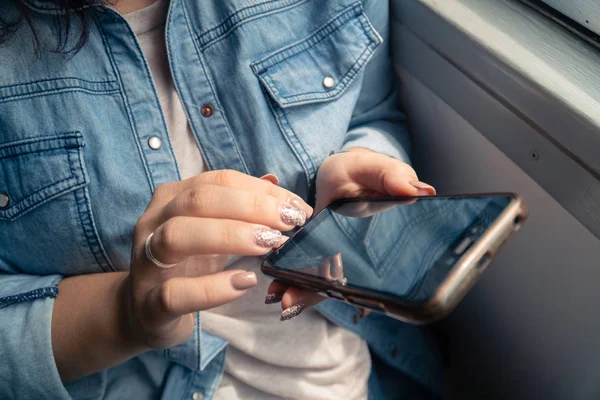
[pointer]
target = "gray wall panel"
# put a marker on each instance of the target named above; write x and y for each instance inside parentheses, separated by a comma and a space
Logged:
(529, 328)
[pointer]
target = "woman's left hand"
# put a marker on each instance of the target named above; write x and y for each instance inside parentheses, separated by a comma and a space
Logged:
(355, 173)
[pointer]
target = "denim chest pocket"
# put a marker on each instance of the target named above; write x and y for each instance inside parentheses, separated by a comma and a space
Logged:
(312, 85)
(46, 224)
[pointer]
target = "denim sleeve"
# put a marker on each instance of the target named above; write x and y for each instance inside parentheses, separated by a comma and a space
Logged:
(377, 123)
(28, 369)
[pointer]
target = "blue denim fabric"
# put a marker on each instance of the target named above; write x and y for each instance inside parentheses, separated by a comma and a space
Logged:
(76, 164)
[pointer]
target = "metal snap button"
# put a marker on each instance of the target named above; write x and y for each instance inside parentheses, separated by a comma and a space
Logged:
(155, 143)
(207, 110)
(328, 82)
(197, 396)
(4, 200)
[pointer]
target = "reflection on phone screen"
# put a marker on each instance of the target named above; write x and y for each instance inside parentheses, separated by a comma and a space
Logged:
(403, 248)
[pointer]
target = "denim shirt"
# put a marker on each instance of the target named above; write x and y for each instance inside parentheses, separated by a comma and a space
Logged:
(77, 168)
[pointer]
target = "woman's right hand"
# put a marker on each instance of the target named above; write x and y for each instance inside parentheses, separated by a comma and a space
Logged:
(196, 223)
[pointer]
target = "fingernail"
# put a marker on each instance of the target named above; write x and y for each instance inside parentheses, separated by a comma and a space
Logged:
(267, 237)
(422, 185)
(273, 298)
(292, 215)
(363, 313)
(243, 280)
(299, 203)
(271, 178)
(295, 202)
(292, 311)
(282, 240)
(337, 268)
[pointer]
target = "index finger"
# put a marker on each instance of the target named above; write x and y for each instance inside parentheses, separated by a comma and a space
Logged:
(238, 180)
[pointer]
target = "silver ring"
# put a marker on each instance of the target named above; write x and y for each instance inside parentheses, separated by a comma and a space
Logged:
(151, 258)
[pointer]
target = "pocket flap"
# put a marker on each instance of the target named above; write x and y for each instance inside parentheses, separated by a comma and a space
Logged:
(34, 171)
(320, 67)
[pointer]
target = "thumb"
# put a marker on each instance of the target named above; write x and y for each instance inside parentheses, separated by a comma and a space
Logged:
(182, 295)
(383, 175)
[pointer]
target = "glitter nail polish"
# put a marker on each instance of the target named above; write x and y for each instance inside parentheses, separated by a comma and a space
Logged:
(292, 215)
(292, 311)
(267, 237)
(273, 298)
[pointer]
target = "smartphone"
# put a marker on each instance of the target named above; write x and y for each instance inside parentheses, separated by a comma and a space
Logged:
(412, 258)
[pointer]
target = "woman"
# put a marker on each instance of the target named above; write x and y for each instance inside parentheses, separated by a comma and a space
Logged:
(132, 218)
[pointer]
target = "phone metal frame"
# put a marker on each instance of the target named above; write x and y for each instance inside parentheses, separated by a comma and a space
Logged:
(461, 278)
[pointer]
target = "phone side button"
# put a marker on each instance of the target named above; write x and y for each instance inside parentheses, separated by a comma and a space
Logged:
(485, 260)
(375, 305)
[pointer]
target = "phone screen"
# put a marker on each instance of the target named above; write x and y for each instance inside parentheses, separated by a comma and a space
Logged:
(401, 247)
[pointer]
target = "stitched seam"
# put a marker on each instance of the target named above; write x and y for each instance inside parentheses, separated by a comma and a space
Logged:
(67, 135)
(11, 150)
(369, 29)
(82, 212)
(148, 78)
(408, 228)
(311, 166)
(101, 248)
(217, 382)
(335, 23)
(283, 123)
(19, 208)
(214, 93)
(175, 82)
(44, 7)
(233, 22)
(64, 78)
(91, 237)
(214, 354)
(234, 18)
(349, 77)
(345, 227)
(50, 291)
(188, 386)
(198, 342)
(12, 213)
(270, 84)
(85, 231)
(126, 104)
(324, 31)
(423, 271)
(233, 141)
(207, 156)
(31, 151)
(48, 93)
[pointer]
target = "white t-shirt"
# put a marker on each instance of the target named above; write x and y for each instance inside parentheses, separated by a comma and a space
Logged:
(307, 357)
